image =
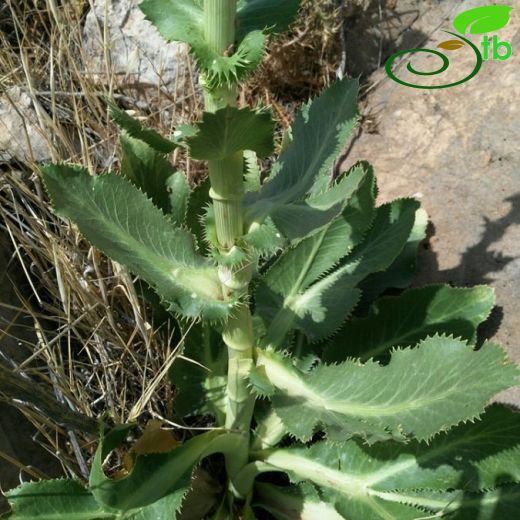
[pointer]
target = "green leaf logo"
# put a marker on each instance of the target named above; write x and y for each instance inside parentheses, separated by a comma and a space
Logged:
(483, 19)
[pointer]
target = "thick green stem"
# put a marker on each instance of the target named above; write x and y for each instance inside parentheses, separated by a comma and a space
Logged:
(227, 190)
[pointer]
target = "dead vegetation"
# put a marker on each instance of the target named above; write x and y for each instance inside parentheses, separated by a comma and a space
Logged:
(93, 343)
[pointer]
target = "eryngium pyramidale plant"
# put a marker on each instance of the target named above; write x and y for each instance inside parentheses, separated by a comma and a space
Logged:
(326, 400)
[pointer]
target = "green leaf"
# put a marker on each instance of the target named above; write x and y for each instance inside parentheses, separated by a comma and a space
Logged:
(177, 20)
(54, 500)
(118, 219)
(253, 174)
(392, 481)
(165, 508)
(300, 219)
(149, 171)
(300, 290)
(136, 130)
(227, 70)
(405, 320)
(271, 15)
(153, 476)
(400, 274)
(178, 189)
(384, 241)
(230, 130)
(320, 132)
(198, 203)
(200, 379)
(264, 239)
(481, 20)
(449, 383)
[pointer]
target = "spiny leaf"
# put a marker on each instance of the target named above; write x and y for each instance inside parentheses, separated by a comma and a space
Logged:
(149, 171)
(153, 476)
(118, 219)
(177, 20)
(253, 174)
(54, 500)
(197, 206)
(228, 70)
(394, 481)
(400, 274)
(405, 320)
(260, 383)
(178, 191)
(300, 291)
(200, 376)
(421, 392)
(264, 239)
(300, 219)
(481, 20)
(232, 130)
(272, 15)
(384, 241)
(134, 128)
(320, 132)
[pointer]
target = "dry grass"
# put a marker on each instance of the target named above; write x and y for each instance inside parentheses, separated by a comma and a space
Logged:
(94, 345)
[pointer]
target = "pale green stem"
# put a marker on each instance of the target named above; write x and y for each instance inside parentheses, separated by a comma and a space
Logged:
(227, 190)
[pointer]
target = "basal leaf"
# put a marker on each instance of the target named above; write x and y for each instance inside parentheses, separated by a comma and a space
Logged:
(481, 20)
(271, 15)
(393, 481)
(230, 130)
(320, 132)
(149, 171)
(54, 500)
(405, 320)
(200, 376)
(154, 476)
(118, 219)
(134, 128)
(449, 383)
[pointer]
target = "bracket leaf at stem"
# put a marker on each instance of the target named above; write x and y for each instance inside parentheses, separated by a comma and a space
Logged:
(230, 130)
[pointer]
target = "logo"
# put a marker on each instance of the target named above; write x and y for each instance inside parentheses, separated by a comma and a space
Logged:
(480, 20)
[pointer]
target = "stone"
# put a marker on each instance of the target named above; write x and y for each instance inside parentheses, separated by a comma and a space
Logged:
(458, 149)
(21, 137)
(139, 56)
